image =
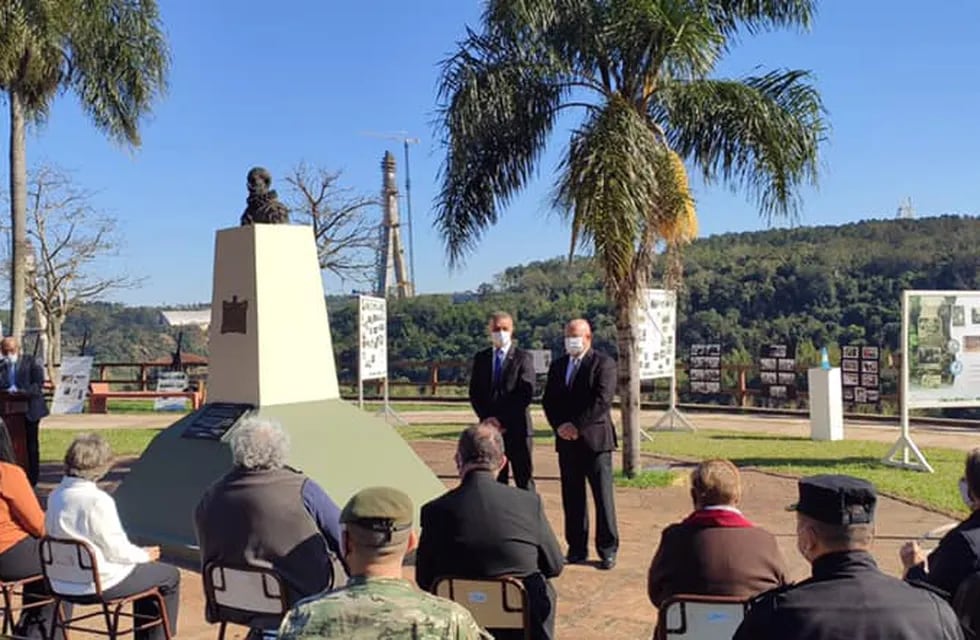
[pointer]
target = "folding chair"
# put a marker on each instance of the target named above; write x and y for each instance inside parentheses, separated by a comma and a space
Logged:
(9, 590)
(497, 604)
(74, 561)
(695, 617)
(247, 596)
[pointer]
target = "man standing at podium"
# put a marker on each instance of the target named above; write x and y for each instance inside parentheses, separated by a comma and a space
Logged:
(23, 374)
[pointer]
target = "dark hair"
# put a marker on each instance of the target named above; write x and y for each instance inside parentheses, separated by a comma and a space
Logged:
(842, 536)
(6, 445)
(972, 472)
(481, 445)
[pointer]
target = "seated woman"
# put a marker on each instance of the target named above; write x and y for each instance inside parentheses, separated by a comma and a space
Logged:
(715, 551)
(78, 509)
(958, 554)
(21, 524)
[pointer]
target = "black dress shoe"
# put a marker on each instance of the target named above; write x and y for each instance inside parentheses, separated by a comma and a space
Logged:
(608, 562)
(576, 558)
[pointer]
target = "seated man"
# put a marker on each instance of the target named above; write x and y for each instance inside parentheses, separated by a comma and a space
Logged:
(262, 514)
(377, 602)
(848, 597)
(484, 529)
(715, 551)
(958, 553)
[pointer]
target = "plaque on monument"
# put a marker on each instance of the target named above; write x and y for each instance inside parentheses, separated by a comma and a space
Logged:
(215, 419)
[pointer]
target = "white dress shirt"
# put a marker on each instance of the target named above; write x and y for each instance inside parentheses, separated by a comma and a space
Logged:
(78, 509)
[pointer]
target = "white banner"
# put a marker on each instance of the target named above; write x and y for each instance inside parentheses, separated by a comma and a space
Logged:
(171, 381)
(542, 359)
(373, 336)
(72, 390)
(656, 318)
(942, 347)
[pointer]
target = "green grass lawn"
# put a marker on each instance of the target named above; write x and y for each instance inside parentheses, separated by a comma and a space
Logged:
(802, 457)
(409, 407)
(124, 442)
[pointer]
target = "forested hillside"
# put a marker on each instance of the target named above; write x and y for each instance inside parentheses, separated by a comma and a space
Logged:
(812, 285)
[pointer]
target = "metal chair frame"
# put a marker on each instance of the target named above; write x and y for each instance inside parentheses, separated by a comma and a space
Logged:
(502, 582)
(661, 630)
(8, 590)
(269, 576)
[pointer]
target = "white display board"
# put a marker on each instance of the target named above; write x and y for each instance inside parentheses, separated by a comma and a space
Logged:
(171, 381)
(542, 360)
(656, 318)
(373, 338)
(942, 343)
(72, 390)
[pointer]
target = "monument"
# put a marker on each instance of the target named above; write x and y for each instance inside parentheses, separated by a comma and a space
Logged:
(270, 353)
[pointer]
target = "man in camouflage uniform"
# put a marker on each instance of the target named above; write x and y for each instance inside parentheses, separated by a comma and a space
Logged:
(377, 603)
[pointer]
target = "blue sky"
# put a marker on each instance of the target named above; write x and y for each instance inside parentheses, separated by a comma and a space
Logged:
(256, 85)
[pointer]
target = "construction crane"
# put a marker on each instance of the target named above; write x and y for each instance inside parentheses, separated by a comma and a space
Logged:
(406, 140)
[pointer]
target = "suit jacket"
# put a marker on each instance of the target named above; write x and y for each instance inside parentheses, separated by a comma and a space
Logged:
(510, 401)
(484, 529)
(955, 557)
(714, 561)
(29, 376)
(586, 403)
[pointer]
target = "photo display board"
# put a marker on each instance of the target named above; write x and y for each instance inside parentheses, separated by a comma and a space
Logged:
(72, 389)
(655, 320)
(373, 333)
(942, 332)
(777, 371)
(704, 368)
(860, 379)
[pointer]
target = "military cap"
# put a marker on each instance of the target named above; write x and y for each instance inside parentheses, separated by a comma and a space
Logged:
(836, 499)
(379, 509)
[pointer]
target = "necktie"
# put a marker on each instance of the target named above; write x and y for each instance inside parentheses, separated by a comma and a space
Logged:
(11, 374)
(572, 368)
(498, 366)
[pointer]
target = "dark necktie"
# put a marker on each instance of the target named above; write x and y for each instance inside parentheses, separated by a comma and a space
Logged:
(498, 367)
(572, 370)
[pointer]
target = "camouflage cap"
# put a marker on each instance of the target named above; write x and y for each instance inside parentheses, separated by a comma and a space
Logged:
(379, 509)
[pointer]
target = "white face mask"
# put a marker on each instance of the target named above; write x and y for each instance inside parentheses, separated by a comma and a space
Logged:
(965, 494)
(501, 339)
(12, 358)
(574, 345)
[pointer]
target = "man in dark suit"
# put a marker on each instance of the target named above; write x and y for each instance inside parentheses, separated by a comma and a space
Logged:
(577, 399)
(484, 529)
(20, 373)
(501, 388)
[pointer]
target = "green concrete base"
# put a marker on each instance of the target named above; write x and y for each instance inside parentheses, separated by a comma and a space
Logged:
(341, 447)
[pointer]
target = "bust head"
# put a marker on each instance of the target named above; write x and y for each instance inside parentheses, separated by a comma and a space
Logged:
(259, 180)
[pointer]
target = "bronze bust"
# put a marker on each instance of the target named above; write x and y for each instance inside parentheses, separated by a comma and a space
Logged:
(263, 206)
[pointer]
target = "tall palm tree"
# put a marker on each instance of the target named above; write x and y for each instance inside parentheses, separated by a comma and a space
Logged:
(111, 53)
(640, 74)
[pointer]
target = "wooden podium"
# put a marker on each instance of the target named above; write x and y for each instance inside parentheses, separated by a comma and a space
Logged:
(13, 408)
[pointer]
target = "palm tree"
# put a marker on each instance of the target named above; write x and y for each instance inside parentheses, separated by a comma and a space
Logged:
(640, 74)
(111, 53)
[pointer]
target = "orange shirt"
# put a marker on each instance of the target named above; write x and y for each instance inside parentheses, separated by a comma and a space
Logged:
(20, 512)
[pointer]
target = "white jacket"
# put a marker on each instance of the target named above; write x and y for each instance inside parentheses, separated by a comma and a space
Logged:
(78, 509)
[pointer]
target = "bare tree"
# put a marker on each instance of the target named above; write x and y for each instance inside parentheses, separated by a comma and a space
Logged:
(67, 237)
(345, 224)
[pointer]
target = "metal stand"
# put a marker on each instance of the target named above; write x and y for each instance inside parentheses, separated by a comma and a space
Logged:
(390, 415)
(672, 419)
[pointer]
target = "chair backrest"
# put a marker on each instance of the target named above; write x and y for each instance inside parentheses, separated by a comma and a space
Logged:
(496, 603)
(966, 604)
(69, 560)
(231, 590)
(694, 617)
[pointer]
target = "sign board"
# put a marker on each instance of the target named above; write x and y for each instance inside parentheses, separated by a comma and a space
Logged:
(942, 362)
(777, 371)
(860, 379)
(373, 336)
(656, 317)
(704, 368)
(542, 360)
(72, 390)
(171, 381)
(214, 420)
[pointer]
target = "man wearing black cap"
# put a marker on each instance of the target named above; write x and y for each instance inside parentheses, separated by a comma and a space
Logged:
(847, 597)
(377, 602)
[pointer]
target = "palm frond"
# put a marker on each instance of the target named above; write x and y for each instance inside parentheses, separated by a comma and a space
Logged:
(762, 133)
(755, 16)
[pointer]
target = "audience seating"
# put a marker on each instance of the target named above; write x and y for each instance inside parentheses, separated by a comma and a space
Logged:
(74, 561)
(231, 592)
(497, 604)
(694, 617)
(9, 590)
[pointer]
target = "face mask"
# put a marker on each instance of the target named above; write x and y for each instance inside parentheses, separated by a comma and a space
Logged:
(965, 494)
(574, 345)
(501, 339)
(12, 357)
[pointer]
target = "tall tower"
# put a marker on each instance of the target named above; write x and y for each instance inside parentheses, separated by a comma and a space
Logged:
(905, 210)
(391, 252)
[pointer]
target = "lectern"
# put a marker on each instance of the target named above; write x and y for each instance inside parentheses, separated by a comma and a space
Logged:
(13, 409)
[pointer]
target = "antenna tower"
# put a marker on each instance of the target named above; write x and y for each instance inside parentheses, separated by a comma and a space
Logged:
(392, 274)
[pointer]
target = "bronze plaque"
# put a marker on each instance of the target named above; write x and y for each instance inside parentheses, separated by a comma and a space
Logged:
(234, 315)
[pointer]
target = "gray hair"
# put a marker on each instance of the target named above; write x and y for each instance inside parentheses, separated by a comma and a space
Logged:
(481, 446)
(259, 443)
(89, 457)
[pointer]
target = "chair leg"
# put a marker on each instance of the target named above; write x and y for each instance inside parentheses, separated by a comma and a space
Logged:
(8, 612)
(221, 630)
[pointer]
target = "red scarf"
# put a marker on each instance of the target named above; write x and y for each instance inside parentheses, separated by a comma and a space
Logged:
(717, 518)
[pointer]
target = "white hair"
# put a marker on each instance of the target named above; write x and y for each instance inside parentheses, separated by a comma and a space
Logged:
(259, 444)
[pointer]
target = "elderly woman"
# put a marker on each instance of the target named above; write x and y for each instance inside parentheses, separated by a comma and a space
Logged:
(21, 524)
(78, 509)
